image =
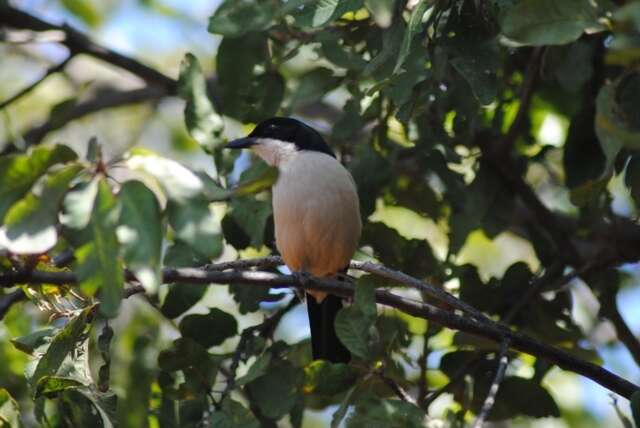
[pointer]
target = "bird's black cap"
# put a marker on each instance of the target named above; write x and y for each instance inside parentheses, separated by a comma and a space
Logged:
(285, 129)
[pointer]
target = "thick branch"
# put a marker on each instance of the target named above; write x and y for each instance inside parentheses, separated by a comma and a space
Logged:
(484, 328)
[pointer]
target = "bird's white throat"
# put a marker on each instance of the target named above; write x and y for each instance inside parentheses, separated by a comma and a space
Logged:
(275, 152)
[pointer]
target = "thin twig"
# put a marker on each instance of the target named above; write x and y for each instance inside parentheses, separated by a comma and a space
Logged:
(486, 328)
(51, 70)
(503, 362)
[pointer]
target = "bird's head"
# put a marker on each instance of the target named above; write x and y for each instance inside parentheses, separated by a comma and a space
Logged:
(277, 139)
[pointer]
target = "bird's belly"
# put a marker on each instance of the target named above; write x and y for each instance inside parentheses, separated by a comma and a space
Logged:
(317, 223)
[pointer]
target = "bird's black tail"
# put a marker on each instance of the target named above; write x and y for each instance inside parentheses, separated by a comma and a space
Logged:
(325, 344)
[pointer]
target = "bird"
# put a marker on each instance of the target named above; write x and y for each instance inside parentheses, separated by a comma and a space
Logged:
(316, 213)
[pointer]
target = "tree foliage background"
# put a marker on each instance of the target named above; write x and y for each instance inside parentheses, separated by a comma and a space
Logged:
(496, 149)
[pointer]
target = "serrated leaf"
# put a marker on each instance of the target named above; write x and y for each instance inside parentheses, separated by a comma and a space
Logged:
(235, 18)
(548, 22)
(9, 411)
(194, 224)
(139, 232)
(209, 329)
(50, 386)
(62, 344)
(249, 297)
(19, 172)
(413, 27)
(201, 120)
(233, 415)
(30, 224)
(98, 264)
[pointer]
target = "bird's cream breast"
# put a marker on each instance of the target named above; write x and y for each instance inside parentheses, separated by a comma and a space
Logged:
(316, 213)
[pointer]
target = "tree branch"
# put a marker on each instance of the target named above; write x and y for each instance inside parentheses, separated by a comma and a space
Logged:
(51, 70)
(79, 43)
(9, 299)
(503, 362)
(480, 327)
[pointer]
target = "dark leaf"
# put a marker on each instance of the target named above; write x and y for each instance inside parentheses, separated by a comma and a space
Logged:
(235, 18)
(233, 415)
(209, 329)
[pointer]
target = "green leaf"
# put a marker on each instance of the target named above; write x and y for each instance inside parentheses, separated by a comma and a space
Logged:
(236, 60)
(19, 172)
(184, 353)
(50, 386)
(376, 412)
(202, 121)
(632, 178)
(62, 344)
(352, 328)
(140, 233)
(259, 177)
(322, 12)
(209, 329)
(179, 183)
(413, 27)
(392, 39)
(30, 224)
(324, 378)
(612, 129)
(9, 411)
(249, 297)
(233, 415)
(251, 215)
(85, 10)
(635, 407)
(276, 392)
(77, 209)
(365, 297)
(182, 296)
(548, 22)
(235, 18)
(194, 224)
(518, 396)
(29, 343)
(478, 67)
(313, 85)
(259, 368)
(381, 10)
(84, 408)
(98, 264)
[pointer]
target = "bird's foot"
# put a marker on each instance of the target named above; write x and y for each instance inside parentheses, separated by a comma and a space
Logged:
(304, 278)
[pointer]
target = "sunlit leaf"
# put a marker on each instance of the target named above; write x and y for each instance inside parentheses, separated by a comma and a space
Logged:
(19, 172)
(30, 224)
(99, 267)
(202, 121)
(140, 232)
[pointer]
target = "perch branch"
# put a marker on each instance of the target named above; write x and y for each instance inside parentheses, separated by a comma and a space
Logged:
(479, 327)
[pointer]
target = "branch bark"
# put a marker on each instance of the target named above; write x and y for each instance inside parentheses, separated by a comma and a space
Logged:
(489, 401)
(485, 327)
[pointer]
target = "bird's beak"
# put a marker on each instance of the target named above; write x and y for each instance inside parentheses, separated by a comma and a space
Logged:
(242, 143)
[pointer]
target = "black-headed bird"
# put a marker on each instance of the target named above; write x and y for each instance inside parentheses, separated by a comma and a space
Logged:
(316, 213)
